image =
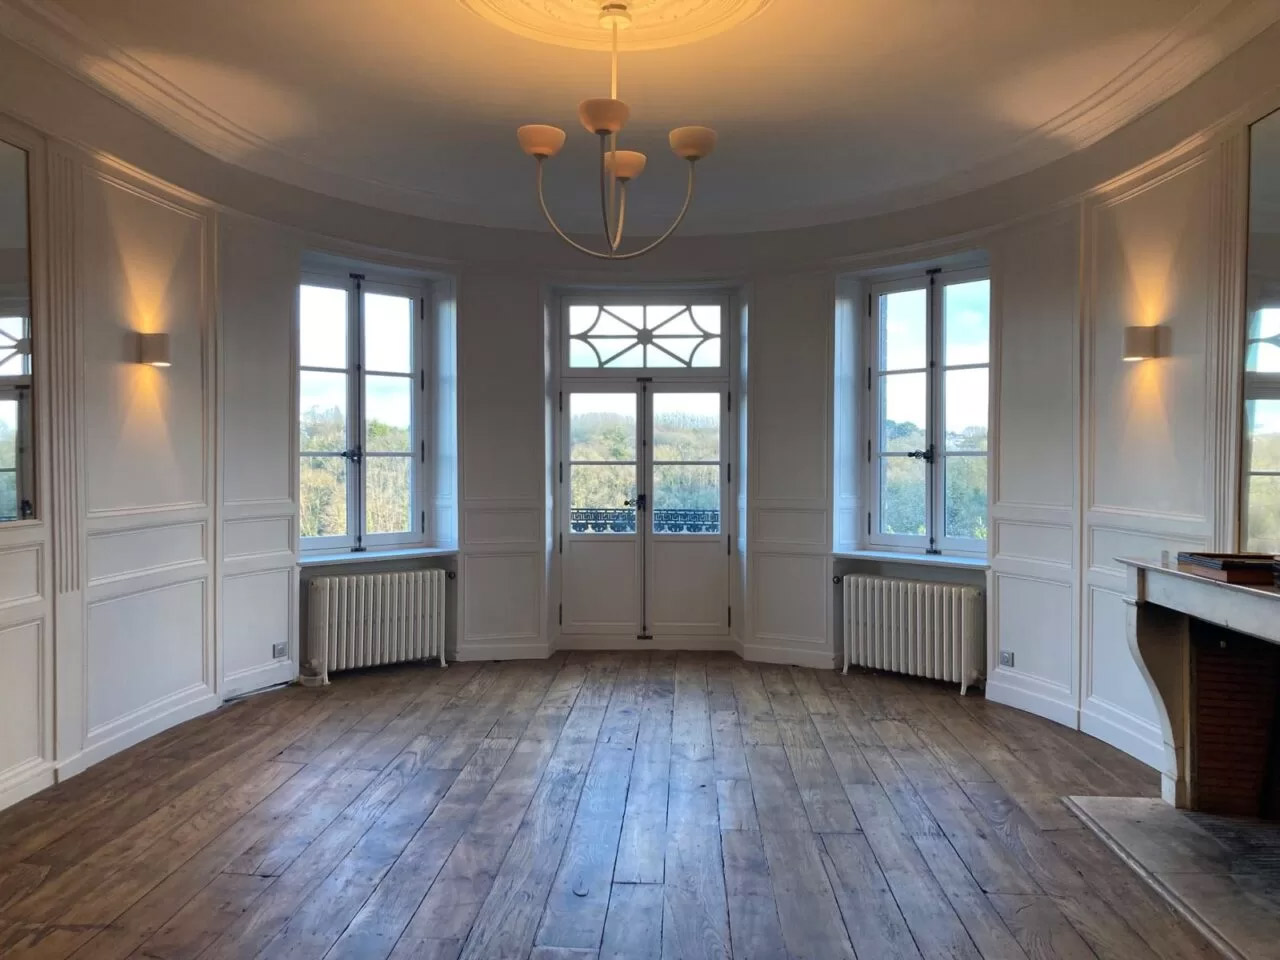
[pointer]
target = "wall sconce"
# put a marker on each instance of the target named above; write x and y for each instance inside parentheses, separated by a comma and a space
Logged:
(1141, 343)
(153, 349)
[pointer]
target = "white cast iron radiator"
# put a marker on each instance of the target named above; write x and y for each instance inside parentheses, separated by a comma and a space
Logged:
(370, 619)
(934, 630)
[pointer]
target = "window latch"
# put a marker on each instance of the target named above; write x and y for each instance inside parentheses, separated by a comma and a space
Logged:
(926, 455)
(355, 455)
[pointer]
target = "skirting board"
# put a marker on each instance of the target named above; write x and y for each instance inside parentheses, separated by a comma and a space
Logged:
(257, 678)
(624, 642)
(1131, 736)
(149, 727)
(500, 651)
(28, 779)
(818, 659)
(1025, 693)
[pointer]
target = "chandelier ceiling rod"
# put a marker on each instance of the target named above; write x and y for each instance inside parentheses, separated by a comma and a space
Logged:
(606, 118)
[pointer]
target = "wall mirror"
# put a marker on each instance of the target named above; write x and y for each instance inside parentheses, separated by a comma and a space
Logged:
(17, 451)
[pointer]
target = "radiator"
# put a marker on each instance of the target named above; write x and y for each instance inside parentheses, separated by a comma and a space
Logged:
(371, 619)
(934, 630)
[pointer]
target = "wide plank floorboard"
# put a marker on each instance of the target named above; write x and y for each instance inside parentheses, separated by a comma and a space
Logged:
(641, 805)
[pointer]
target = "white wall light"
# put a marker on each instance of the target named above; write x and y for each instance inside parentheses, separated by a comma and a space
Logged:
(1141, 343)
(153, 349)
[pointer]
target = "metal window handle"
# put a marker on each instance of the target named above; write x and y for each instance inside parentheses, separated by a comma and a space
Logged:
(355, 455)
(925, 455)
(638, 502)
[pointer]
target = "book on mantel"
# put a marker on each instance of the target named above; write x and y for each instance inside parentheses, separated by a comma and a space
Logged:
(1247, 568)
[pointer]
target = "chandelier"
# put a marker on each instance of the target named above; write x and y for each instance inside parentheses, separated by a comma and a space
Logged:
(605, 117)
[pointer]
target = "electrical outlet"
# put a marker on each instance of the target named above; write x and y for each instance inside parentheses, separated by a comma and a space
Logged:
(279, 650)
(1006, 658)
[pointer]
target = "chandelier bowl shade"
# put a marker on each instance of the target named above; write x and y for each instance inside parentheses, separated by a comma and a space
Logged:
(625, 164)
(540, 139)
(692, 143)
(603, 114)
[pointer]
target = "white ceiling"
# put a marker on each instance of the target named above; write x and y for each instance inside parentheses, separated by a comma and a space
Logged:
(826, 109)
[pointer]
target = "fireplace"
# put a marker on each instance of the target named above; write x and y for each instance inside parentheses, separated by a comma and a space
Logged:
(1235, 739)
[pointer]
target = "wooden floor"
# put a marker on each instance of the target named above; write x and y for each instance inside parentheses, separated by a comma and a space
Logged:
(590, 806)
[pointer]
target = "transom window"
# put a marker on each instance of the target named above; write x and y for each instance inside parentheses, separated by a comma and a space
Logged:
(637, 336)
(1262, 433)
(929, 340)
(361, 411)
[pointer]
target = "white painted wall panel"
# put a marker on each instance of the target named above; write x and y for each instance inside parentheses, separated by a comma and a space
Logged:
(21, 574)
(253, 537)
(792, 597)
(1037, 616)
(256, 613)
(143, 649)
(121, 553)
(22, 689)
(146, 441)
(503, 600)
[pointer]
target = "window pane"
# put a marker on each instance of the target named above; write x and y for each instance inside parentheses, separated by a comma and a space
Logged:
(388, 333)
(903, 413)
(902, 496)
(1263, 424)
(322, 327)
(596, 495)
(1264, 323)
(966, 404)
(903, 330)
(388, 414)
(8, 459)
(582, 354)
(686, 499)
(602, 426)
(322, 411)
(707, 317)
(322, 496)
(966, 324)
(686, 426)
(707, 353)
(966, 508)
(15, 358)
(1263, 358)
(1264, 515)
(388, 502)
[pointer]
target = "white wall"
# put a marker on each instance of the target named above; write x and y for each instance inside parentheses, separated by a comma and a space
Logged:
(789, 463)
(258, 266)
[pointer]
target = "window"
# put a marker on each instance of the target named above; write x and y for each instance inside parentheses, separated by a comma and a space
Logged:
(1262, 433)
(634, 336)
(361, 411)
(929, 344)
(16, 464)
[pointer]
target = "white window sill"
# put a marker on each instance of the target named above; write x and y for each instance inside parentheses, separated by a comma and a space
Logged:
(344, 557)
(919, 559)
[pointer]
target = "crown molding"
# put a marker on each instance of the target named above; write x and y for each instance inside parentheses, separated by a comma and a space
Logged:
(1208, 33)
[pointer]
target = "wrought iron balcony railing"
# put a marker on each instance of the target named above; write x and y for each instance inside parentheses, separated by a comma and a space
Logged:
(623, 520)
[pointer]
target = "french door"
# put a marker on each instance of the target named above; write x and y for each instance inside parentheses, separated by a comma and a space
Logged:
(643, 507)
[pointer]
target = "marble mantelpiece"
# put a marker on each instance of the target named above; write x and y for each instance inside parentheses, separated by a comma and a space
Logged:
(1160, 600)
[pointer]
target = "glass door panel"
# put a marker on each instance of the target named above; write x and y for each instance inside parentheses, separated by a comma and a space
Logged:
(602, 468)
(686, 463)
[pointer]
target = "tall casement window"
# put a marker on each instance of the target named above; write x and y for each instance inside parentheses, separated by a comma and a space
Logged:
(361, 412)
(927, 382)
(1262, 433)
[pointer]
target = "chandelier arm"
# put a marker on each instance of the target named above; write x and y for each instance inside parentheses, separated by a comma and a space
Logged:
(542, 201)
(622, 218)
(605, 202)
(688, 198)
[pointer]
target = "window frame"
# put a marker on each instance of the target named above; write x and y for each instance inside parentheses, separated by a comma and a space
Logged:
(356, 285)
(934, 540)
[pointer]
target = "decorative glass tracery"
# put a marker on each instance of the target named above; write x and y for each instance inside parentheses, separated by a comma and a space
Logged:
(644, 336)
(15, 347)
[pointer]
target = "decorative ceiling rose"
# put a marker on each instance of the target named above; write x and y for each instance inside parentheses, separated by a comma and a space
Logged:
(576, 23)
(605, 117)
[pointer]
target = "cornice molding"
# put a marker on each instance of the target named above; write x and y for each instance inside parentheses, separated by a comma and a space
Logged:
(1209, 32)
